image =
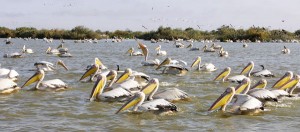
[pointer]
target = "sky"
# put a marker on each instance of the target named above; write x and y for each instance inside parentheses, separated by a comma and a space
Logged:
(147, 15)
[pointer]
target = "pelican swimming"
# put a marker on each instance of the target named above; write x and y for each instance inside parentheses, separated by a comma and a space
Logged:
(137, 77)
(223, 53)
(25, 50)
(170, 94)
(145, 51)
(263, 73)
(283, 80)
(243, 104)
(9, 73)
(133, 53)
(205, 49)
(192, 48)
(14, 55)
(93, 70)
(209, 67)
(258, 91)
(179, 45)
(237, 78)
(63, 52)
(160, 52)
(48, 66)
(285, 50)
(159, 106)
(54, 84)
(214, 46)
(154, 62)
(116, 94)
(8, 86)
(172, 68)
(291, 85)
(52, 51)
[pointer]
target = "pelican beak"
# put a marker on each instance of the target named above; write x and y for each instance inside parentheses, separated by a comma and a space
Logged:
(283, 80)
(165, 62)
(223, 74)
(242, 86)
(112, 74)
(223, 99)
(36, 77)
(196, 62)
(61, 63)
(132, 102)
(150, 86)
(98, 62)
(261, 84)
(125, 75)
(89, 72)
(292, 83)
(144, 50)
(48, 50)
(98, 87)
(247, 68)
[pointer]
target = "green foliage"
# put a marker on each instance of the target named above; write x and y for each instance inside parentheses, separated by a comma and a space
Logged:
(223, 33)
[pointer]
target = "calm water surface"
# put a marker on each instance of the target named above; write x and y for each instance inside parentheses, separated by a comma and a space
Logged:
(71, 111)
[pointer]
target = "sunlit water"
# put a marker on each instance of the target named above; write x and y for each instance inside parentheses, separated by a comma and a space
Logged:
(71, 111)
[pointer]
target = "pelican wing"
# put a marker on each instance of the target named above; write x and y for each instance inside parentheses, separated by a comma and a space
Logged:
(263, 73)
(262, 94)
(7, 84)
(279, 93)
(245, 102)
(55, 83)
(158, 104)
(171, 94)
(129, 84)
(237, 78)
(115, 94)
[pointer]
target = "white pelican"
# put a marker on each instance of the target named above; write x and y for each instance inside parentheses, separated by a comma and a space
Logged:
(244, 104)
(291, 85)
(13, 55)
(145, 51)
(209, 67)
(237, 78)
(132, 53)
(63, 52)
(261, 84)
(170, 94)
(191, 47)
(171, 68)
(223, 53)
(245, 45)
(285, 50)
(54, 84)
(9, 73)
(94, 70)
(258, 91)
(52, 51)
(263, 73)
(48, 66)
(214, 46)
(29, 51)
(159, 51)
(116, 94)
(8, 86)
(205, 49)
(141, 78)
(179, 45)
(159, 106)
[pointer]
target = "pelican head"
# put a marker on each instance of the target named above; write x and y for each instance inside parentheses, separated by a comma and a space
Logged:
(224, 74)
(98, 87)
(196, 62)
(248, 69)
(48, 50)
(165, 62)
(99, 63)
(223, 100)
(243, 87)
(284, 79)
(38, 76)
(61, 63)
(136, 101)
(92, 70)
(125, 75)
(151, 88)
(260, 84)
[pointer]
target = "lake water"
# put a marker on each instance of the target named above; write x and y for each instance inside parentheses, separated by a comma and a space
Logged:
(70, 110)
